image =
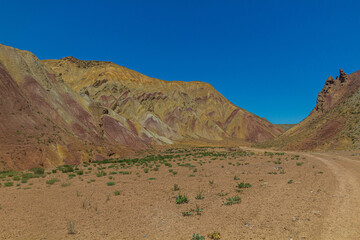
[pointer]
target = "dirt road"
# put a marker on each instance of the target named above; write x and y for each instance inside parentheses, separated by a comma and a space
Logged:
(343, 221)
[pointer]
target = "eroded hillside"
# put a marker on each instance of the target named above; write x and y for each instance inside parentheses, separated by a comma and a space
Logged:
(161, 111)
(70, 111)
(333, 123)
(42, 121)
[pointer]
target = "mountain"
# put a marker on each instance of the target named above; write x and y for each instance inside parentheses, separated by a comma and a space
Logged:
(286, 126)
(42, 121)
(70, 111)
(160, 111)
(333, 123)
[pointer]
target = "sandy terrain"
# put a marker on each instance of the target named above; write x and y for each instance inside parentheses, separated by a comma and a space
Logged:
(292, 196)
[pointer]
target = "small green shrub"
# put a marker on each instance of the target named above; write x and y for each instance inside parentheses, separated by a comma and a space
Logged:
(198, 211)
(16, 178)
(101, 174)
(168, 164)
(232, 200)
(244, 185)
(110, 183)
(52, 181)
(176, 187)
(8, 184)
(197, 237)
(180, 199)
(186, 214)
(222, 194)
(71, 175)
(199, 195)
(38, 171)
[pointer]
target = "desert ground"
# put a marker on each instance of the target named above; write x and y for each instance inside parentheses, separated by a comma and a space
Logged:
(187, 193)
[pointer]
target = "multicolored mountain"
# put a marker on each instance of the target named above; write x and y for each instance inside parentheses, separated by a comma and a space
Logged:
(70, 111)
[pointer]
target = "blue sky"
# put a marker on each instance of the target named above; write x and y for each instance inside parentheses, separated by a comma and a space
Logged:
(268, 57)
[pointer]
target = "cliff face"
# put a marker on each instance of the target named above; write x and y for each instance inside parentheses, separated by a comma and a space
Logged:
(333, 123)
(160, 111)
(68, 111)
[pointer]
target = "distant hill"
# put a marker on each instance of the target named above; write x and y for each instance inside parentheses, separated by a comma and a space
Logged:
(286, 126)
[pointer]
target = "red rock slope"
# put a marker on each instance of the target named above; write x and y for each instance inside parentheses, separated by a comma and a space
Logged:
(334, 123)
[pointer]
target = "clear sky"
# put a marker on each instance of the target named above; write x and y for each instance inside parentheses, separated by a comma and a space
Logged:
(269, 57)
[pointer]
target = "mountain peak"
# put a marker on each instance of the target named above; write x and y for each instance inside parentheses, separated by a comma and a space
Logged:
(69, 58)
(343, 76)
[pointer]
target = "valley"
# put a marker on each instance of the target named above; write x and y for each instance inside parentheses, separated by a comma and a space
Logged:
(239, 193)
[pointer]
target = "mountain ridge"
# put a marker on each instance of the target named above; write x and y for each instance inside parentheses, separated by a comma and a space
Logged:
(70, 111)
(93, 75)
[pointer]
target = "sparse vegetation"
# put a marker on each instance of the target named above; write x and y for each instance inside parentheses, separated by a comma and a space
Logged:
(199, 195)
(8, 184)
(244, 185)
(197, 237)
(222, 194)
(181, 198)
(101, 174)
(38, 171)
(176, 187)
(232, 200)
(52, 181)
(226, 192)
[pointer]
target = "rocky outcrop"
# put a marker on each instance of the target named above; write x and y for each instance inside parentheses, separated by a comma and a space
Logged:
(336, 90)
(333, 123)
